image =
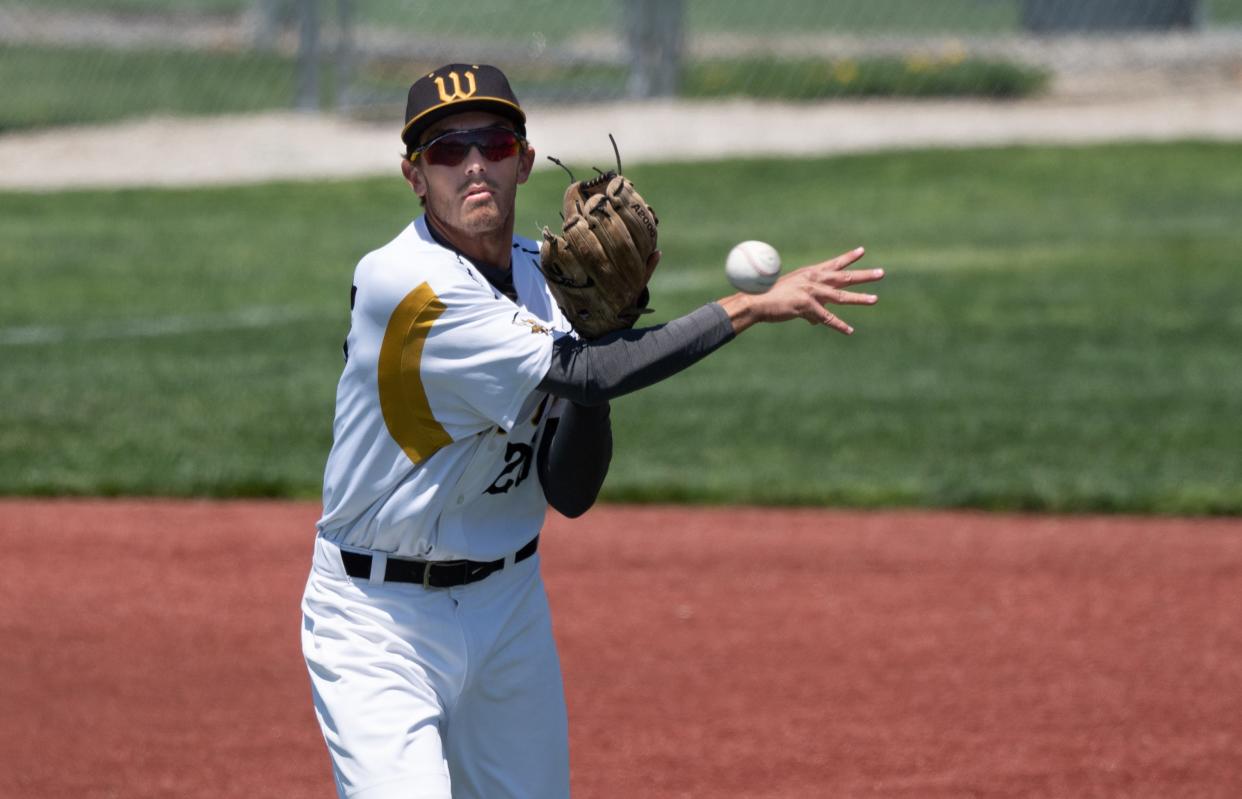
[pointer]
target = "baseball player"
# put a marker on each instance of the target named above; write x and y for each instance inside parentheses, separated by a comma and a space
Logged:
(468, 403)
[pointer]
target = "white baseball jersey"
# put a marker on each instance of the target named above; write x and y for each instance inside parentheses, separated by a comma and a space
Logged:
(438, 422)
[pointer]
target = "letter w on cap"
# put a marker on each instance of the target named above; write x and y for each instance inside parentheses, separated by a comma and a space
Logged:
(457, 94)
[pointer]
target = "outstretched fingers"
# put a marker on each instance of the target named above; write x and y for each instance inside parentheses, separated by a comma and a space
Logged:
(804, 294)
(829, 319)
(841, 278)
(834, 271)
(843, 260)
(816, 296)
(826, 294)
(826, 282)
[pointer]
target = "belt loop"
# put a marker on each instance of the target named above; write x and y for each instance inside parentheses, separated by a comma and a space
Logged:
(510, 559)
(379, 565)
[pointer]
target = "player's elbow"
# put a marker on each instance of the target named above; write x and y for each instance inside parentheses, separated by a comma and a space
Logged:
(575, 509)
(594, 394)
(573, 502)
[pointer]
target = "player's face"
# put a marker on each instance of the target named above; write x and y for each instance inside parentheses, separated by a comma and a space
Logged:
(477, 195)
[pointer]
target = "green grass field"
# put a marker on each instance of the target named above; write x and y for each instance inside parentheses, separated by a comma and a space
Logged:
(52, 86)
(72, 84)
(1059, 330)
(554, 18)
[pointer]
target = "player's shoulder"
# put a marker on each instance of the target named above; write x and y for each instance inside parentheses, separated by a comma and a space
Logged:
(411, 258)
(412, 247)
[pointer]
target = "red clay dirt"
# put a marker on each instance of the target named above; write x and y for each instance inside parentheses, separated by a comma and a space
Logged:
(151, 649)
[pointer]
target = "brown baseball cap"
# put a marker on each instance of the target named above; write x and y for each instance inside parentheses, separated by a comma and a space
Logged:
(456, 88)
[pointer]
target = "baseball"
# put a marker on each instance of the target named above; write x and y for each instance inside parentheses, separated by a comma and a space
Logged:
(753, 266)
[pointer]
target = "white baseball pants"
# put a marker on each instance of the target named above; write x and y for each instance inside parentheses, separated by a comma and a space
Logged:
(441, 692)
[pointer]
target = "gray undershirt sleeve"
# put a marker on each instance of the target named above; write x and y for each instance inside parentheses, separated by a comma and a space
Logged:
(577, 449)
(574, 457)
(593, 372)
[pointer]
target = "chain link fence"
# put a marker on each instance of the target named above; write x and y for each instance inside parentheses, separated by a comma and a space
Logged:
(80, 61)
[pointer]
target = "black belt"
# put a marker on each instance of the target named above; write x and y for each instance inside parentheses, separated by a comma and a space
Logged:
(435, 573)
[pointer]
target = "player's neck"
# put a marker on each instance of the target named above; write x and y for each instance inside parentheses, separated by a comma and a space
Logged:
(494, 248)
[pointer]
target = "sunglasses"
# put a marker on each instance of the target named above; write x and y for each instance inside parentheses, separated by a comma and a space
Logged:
(495, 144)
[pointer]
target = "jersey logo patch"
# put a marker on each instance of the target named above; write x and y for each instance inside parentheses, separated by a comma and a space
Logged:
(535, 327)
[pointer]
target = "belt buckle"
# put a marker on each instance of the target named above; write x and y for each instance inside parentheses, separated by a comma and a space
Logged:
(442, 564)
(470, 572)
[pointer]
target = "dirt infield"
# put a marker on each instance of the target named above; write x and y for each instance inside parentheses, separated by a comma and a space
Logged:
(151, 650)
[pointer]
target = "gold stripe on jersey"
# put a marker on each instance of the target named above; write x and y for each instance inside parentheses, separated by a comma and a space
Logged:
(403, 400)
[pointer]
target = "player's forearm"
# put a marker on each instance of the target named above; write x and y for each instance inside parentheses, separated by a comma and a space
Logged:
(575, 457)
(593, 372)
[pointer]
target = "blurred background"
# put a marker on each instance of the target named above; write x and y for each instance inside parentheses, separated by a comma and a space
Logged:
(110, 59)
(1054, 187)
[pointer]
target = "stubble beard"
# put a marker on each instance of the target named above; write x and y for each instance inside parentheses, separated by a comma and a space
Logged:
(483, 218)
(474, 219)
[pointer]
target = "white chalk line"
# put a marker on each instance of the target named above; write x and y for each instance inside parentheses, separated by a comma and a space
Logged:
(241, 319)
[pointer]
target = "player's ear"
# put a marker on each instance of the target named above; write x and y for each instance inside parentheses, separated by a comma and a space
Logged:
(526, 162)
(414, 177)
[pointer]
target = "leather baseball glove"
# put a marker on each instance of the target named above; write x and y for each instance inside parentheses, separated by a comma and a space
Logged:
(598, 267)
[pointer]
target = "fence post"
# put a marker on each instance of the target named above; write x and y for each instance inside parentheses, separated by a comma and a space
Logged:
(308, 56)
(655, 37)
(267, 14)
